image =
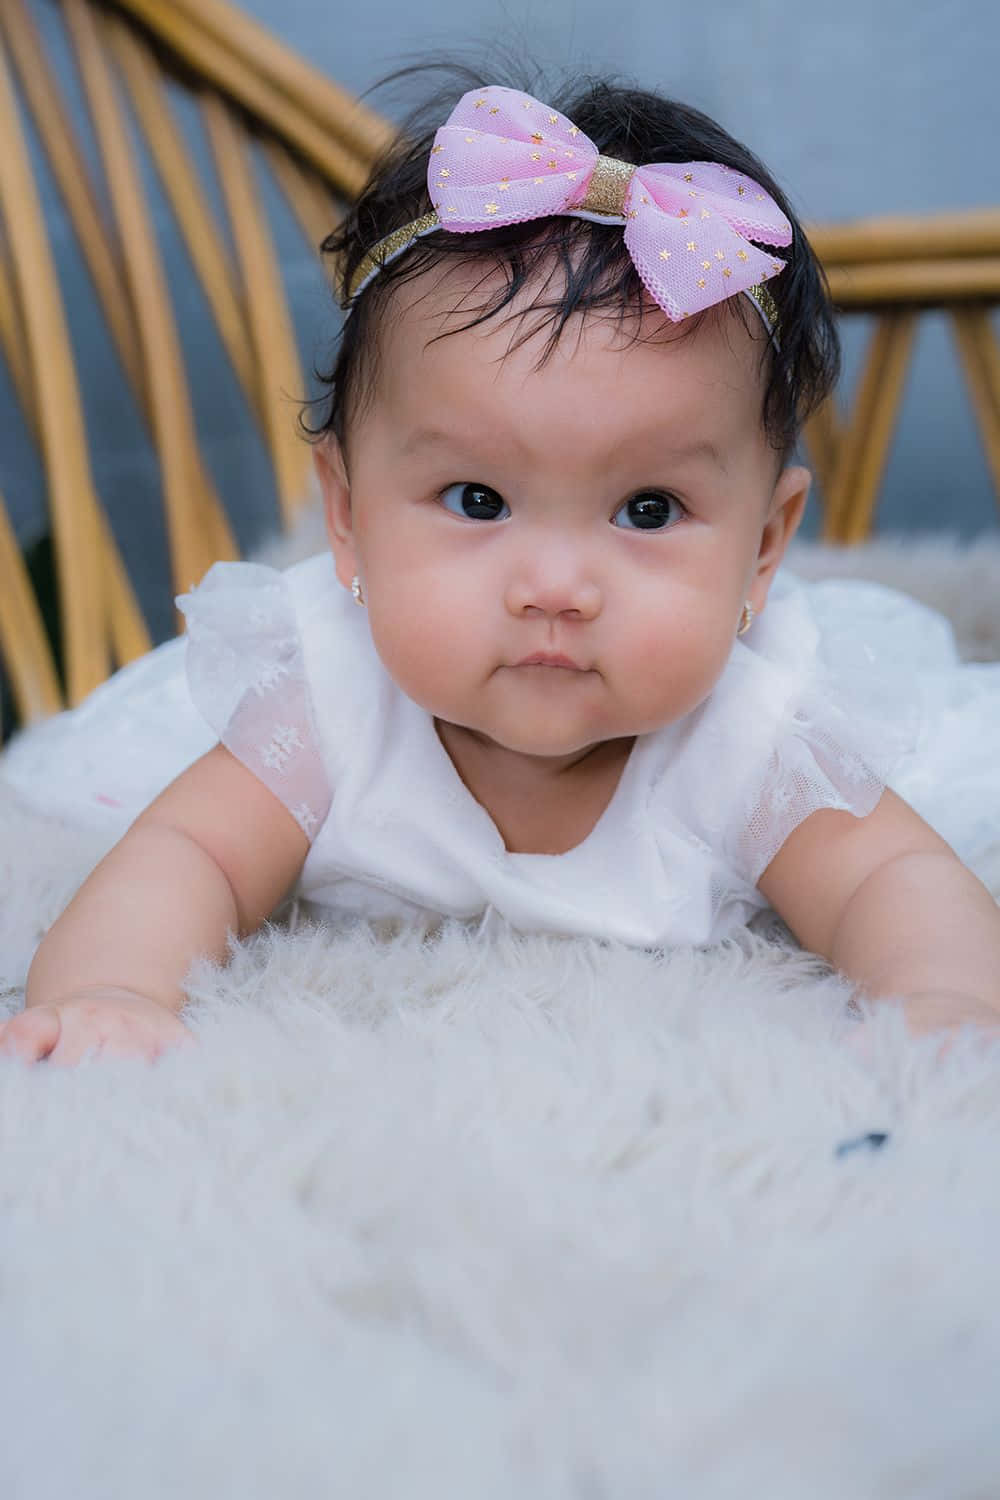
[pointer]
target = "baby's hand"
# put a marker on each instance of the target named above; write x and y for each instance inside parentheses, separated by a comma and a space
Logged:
(109, 1022)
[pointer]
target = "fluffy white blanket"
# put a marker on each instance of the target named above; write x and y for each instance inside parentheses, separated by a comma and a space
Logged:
(433, 1217)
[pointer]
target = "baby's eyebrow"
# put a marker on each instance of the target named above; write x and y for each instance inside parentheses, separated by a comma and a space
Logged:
(703, 450)
(424, 437)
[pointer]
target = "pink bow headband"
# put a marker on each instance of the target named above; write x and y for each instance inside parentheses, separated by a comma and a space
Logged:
(503, 158)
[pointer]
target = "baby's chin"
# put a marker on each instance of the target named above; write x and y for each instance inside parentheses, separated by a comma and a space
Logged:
(542, 742)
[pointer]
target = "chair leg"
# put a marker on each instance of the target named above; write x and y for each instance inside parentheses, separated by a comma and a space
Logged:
(865, 446)
(24, 646)
(821, 437)
(980, 357)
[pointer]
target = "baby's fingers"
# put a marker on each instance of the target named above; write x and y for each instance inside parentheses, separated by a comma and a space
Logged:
(82, 1026)
(32, 1034)
(109, 1031)
(89, 1035)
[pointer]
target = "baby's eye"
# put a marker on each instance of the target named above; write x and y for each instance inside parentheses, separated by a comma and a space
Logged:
(647, 511)
(477, 502)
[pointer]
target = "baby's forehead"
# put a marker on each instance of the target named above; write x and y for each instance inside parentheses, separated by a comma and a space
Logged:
(458, 291)
(443, 341)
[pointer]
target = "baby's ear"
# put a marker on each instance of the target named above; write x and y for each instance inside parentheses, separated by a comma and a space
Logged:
(788, 502)
(331, 471)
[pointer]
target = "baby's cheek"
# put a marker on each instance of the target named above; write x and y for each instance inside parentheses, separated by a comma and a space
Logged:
(416, 653)
(674, 667)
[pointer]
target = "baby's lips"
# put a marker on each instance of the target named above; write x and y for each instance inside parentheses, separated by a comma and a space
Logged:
(550, 659)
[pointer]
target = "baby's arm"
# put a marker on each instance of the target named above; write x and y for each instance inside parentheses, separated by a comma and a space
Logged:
(214, 854)
(890, 904)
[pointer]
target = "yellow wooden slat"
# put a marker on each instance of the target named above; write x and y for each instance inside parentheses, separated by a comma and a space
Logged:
(13, 339)
(306, 194)
(960, 232)
(821, 438)
(126, 627)
(97, 240)
(73, 503)
(861, 507)
(127, 630)
(194, 531)
(854, 434)
(216, 56)
(980, 356)
(24, 646)
(865, 446)
(279, 371)
(927, 282)
(69, 167)
(187, 198)
(341, 114)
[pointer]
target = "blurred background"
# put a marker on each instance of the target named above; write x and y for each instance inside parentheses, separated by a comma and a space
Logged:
(859, 109)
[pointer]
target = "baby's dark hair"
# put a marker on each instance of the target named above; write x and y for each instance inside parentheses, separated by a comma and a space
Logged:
(597, 273)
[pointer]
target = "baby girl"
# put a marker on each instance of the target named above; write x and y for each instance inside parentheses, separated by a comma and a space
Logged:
(548, 674)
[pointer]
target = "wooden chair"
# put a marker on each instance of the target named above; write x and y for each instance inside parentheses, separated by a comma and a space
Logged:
(255, 97)
(899, 269)
(252, 94)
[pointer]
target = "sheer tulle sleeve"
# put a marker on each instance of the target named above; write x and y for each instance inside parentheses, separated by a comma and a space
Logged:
(823, 704)
(246, 675)
(842, 738)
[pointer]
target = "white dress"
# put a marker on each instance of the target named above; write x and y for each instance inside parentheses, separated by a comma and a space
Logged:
(838, 689)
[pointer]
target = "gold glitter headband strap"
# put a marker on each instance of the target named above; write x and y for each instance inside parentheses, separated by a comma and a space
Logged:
(386, 250)
(400, 240)
(766, 306)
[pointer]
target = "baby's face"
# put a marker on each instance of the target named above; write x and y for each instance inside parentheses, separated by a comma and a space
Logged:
(559, 556)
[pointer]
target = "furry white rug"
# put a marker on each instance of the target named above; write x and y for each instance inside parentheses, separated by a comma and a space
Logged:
(431, 1216)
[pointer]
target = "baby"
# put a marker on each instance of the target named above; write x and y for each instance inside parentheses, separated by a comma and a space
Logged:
(548, 674)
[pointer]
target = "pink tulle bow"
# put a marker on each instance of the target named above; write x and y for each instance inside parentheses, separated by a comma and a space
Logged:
(503, 157)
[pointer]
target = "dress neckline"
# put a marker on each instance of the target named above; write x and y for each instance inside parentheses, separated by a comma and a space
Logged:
(458, 794)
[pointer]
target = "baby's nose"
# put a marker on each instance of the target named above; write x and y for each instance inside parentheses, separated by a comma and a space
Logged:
(552, 586)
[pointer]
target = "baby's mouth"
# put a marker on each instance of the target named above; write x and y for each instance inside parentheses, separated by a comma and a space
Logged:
(550, 659)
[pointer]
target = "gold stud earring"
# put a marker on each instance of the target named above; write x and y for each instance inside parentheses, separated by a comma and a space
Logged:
(359, 597)
(745, 618)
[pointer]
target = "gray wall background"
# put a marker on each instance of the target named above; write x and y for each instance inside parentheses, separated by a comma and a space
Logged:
(863, 107)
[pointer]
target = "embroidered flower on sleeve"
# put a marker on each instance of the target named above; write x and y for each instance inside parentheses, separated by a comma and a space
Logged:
(283, 743)
(305, 817)
(268, 677)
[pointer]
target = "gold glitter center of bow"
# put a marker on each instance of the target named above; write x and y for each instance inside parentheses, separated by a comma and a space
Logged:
(608, 186)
